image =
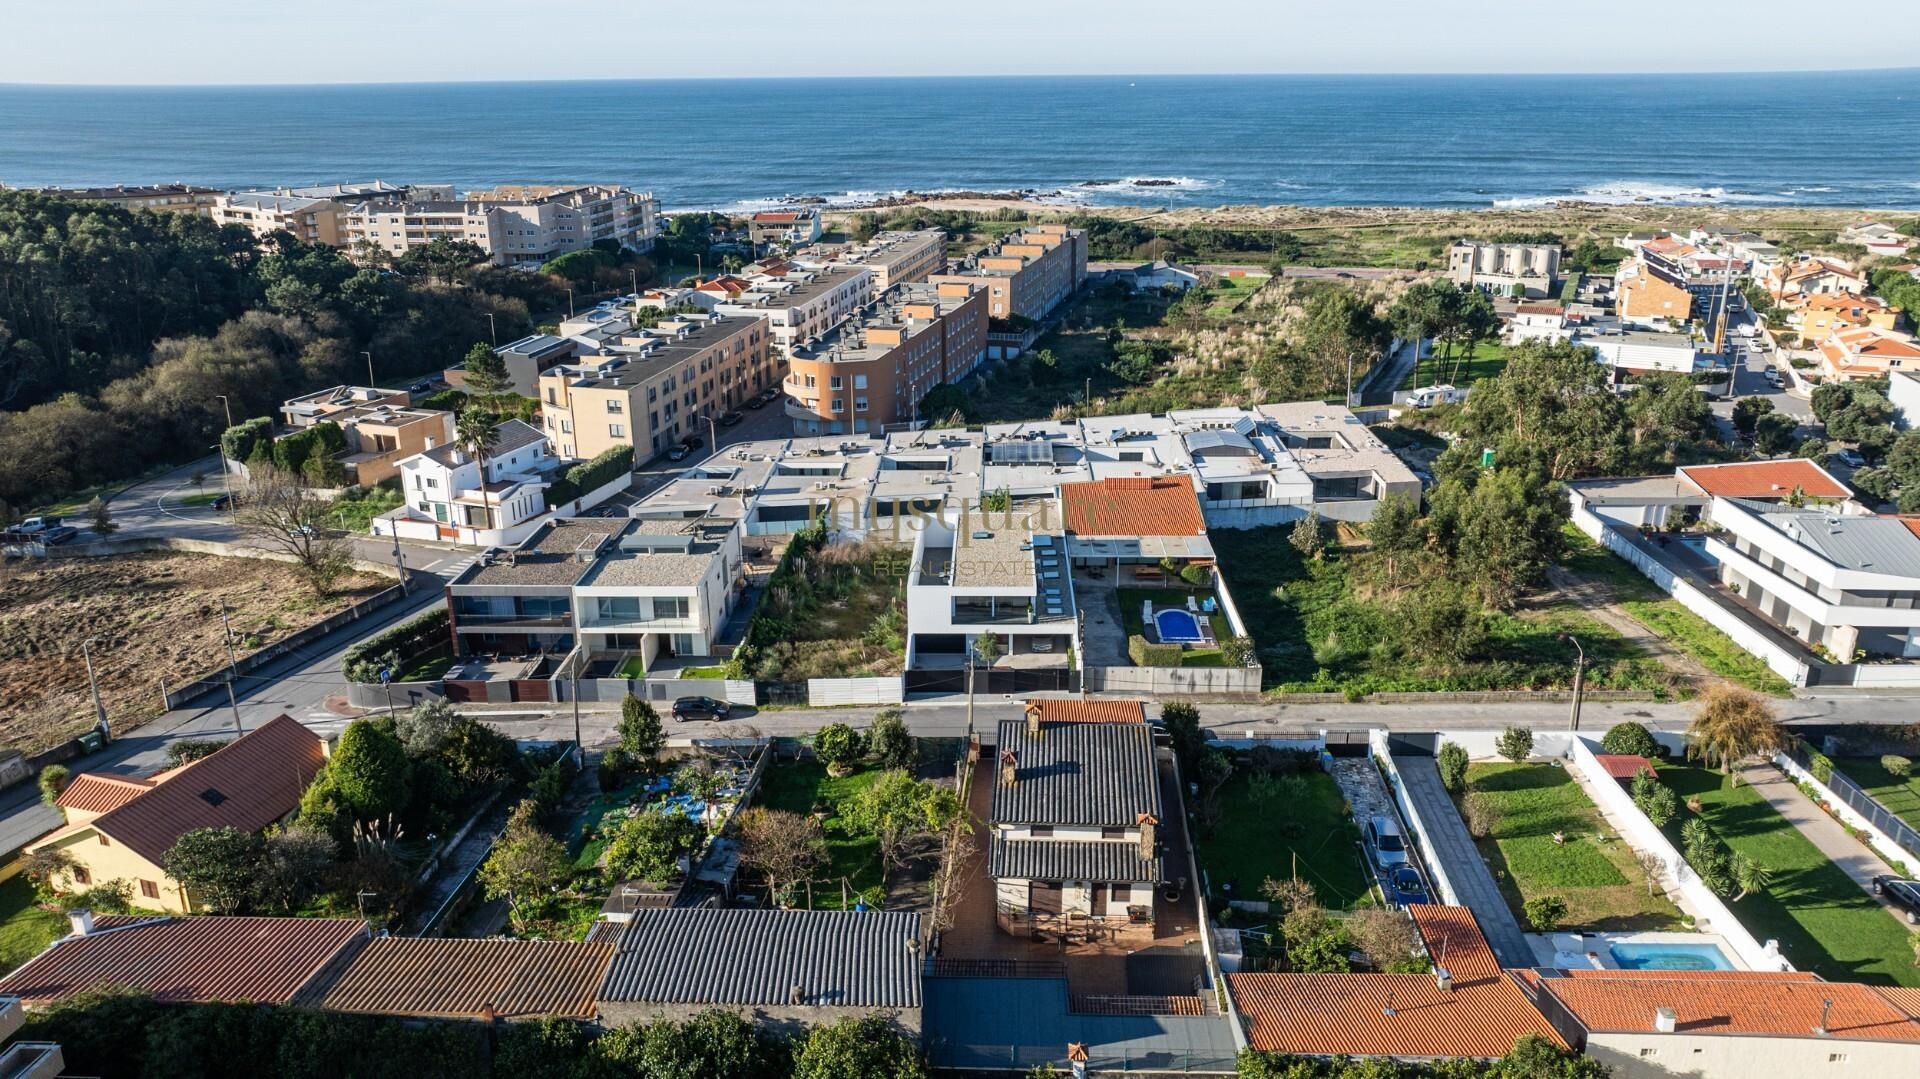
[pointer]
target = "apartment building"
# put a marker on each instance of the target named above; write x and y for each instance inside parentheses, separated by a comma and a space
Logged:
(159, 198)
(896, 258)
(448, 488)
(1004, 575)
(873, 369)
(652, 388)
(370, 190)
(801, 304)
(310, 220)
(1498, 268)
(515, 226)
(789, 228)
(1649, 291)
(1825, 313)
(1028, 273)
(1635, 351)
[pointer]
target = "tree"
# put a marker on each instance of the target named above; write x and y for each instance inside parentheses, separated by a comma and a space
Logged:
(473, 433)
(369, 771)
(650, 844)
(1554, 407)
(889, 741)
(1316, 944)
(477, 754)
(1452, 762)
(1747, 412)
(785, 847)
(526, 863)
(1390, 940)
(1309, 536)
(1238, 651)
(1515, 744)
(1341, 331)
(640, 732)
(1396, 541)
(1631, 739)
(869, 1047)
(1182, 722)
(718, 1043)
(1501, 530)
(188, 750)
(1773, 433)
(486, 372)
(1751, 876)
(986, 649)
(1440, 624)
(101, 515)
(1534, 1057)
(839, 747)
(1545, 912)
(54, 779)
(1896, 765)
(423, 729)
(943, 401)
(217, 866)
(1731, 723)
(283, 515)
(1654, 798)
(906, 815)
(294, 863)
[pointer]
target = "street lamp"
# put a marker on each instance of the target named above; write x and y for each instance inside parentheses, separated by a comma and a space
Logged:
(1579, 677)
(370, 383)
(569, 303)
(93, 684)
(713, 432)
(493, 331)
(233, 667)
(220, 447)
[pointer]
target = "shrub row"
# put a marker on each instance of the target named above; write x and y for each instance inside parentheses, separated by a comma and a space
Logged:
(1145, 654)
(363, 661)
(590, 476)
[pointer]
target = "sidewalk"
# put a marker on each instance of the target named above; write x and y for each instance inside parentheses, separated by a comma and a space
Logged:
(1852, 856)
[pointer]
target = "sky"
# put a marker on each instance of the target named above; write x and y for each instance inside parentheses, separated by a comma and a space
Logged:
(186, 42)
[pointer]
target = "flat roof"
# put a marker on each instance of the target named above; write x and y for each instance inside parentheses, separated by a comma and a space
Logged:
(549, 557)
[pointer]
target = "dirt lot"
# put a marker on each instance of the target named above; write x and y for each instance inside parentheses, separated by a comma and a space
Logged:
(153, 616)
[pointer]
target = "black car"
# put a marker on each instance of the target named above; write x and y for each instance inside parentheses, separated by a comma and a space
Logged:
(425, 385)
(757, 401)
(694, 708)
(678, 453)
(221, 502)
(1902, 893)
(693, 442)
(728, 419)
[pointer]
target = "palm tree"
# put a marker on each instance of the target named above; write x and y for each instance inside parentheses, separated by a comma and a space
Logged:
(1750, 875)
(473, 433)
(1730, 724)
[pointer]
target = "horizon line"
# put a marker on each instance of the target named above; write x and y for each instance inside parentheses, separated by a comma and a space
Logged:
(1615, 73)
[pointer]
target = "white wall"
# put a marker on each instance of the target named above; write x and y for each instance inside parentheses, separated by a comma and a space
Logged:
(1705, 1056)
(1882, 843)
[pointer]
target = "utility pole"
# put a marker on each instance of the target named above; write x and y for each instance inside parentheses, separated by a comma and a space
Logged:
(93, 684)
(493, 330)
(569, 303)
(370, 383)
(220, 447)
(400, 563)
(233, 667)
(1579, 678)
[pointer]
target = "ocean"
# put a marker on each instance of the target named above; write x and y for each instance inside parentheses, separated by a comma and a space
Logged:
(1835, 139)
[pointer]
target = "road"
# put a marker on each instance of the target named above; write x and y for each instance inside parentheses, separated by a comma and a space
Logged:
(1749, 380)
(1368, 273)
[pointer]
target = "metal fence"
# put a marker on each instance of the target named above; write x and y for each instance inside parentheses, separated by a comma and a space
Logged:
(1844, 788)
(1018, 1058)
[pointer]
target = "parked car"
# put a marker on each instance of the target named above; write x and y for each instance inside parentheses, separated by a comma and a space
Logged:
(33, 525)
(1406, 887)
(58, 534)
(221, 502)
(693, 442)
(1850, 458)
(757, 401)
(687, 709)
(728, 419)
(678, 453)
(1384, 841)
(1902, 893)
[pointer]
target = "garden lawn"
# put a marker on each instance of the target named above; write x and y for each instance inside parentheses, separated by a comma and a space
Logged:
(1194, 655)
(1265, 823)
(1465, 367)
(1824, 922)
(1594, 871)
(1228, 293)
(1900, 796)
(798, 786)
(25, 929)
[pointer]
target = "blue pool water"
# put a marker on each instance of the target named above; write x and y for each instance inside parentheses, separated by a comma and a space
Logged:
(1655, 955)
(1177, 626)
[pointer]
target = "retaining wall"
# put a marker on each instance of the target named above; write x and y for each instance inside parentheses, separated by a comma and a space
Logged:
(1185, 681)
(827, 692)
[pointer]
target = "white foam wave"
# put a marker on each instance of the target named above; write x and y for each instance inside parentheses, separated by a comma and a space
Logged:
(1626, 192)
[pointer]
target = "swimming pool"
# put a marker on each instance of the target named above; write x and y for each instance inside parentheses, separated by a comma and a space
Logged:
(1177, 626)
(1669, 955)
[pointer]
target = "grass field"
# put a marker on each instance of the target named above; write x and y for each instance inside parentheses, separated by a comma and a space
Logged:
(1591, 869)
(1824, 922)
(1228, 293)
(24, 928)
(853, 856)
(1465, 367)
(1901, 796)
(1268, 827)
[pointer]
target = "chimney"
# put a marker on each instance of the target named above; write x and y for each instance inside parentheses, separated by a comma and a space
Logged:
(1077, 1059)
(1033, 719)
(81, 921)
(1826, 1006)
(1009, 764)
(1666, 1020)
(1443, 979)
(797, 995)
(1147, 844)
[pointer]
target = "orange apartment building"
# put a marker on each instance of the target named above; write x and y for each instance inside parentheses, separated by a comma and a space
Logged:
(1647, 291)
(897, 258)
(1028, 273)
(1825, 313)
(654, 388)
(873, 369)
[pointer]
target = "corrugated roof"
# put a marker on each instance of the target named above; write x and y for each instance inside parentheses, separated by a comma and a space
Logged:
(1087, 774)
(1850, 541)
(1787, 1007)
(1405, 1015)
(91, 792)
(1453, 938)
(849, 959)
(472, 979)
(1110, 860)
(188, 960)
(1133, 506)
(1765, 479)
(247, 784)
(1074, 710)
(1625, 765)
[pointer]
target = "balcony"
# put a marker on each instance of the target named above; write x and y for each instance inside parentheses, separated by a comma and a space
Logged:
(493, 621)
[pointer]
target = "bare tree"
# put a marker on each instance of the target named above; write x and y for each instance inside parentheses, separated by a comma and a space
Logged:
(1652, 865)
(783, 846)
(282, 515)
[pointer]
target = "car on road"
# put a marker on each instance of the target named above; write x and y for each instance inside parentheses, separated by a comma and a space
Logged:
(730, 419)
(1902, 893)
(678, 453)
(693, 442)
(221, 502)
(425, 385)
(1850, 458)
(1385, 843)
(57, 534)
(34, 525)
(688, 709)
(1773, 377)
(757, 401)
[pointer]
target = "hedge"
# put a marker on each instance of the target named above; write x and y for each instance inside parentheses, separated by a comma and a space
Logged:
(238, 441)
(363, 661)
(325, 438)
(589, 476)
(1145, 654)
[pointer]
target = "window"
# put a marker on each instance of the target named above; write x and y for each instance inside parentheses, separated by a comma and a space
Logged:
(149, 889)
(614, 407)
(81, 876)
(429, 481)
(566, 427)
(835, 383)
(616, 430)
(1041, 831)
(859, 382)
(104, 841)
(1645, 1053)
(839, 404)
(859, 404)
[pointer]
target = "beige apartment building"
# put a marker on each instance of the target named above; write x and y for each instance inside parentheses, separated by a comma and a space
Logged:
(801, 304)
(314, 221)
(1028, 273)
(652, 389)
(1497, 268)
(515, 226)
(160, 198)
(873, 369)
(896, 258)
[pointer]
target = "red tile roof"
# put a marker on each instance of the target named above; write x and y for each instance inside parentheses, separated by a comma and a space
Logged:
(1069, 710)
(1765, 479)
(188, 960)
(1542, 307)
(92, 792)
(1783, 1006)
(472, 979)
(247, 784)
(1132, 506)
(1625, 765)
(1481, 1015)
